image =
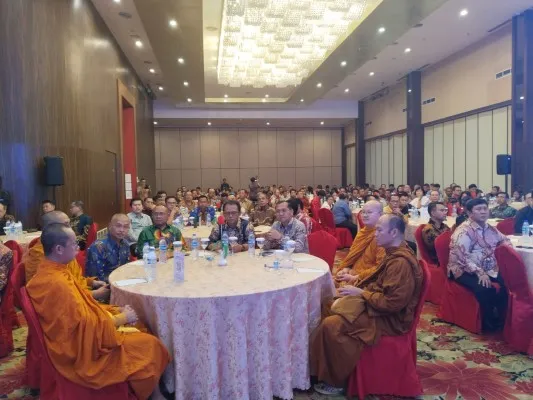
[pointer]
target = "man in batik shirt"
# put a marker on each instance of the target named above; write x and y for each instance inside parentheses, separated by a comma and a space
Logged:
(263, 214)
(434, 228)
(287, 226)
(233, 226)
(502, 210)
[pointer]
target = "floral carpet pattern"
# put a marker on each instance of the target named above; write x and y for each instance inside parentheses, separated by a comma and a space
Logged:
(453, 364)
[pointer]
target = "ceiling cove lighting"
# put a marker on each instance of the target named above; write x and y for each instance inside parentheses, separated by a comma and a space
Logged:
(138, 43)
(463, 12)
(281, 43)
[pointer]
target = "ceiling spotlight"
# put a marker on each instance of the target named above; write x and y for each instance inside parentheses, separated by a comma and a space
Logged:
(209, 123)
(318, 85)
(189, 100)
(408, 50)
(268, 123)
(267, 96)
(346, 90)
(185, 83)
(152, 71)
(343, 63)
(225, 96)
(160, 88)
(155, 122)
(522, 97)
(409, 91)
(371, 74)
(173, 23)
(181, 60)
(321, 122)
(381, 29)
(301, 100)
(138, 43)
(464, 12)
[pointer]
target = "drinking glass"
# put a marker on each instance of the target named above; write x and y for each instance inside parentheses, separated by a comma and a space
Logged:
(290, 246)
(232, 243)
(260, 243)
(205, 243)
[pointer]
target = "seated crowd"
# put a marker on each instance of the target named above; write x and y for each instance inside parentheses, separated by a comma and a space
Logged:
(378, 284)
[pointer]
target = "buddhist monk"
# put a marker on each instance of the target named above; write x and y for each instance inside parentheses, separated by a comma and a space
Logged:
(383, 303)
(36, 255)
(364, 255)
(82, 339)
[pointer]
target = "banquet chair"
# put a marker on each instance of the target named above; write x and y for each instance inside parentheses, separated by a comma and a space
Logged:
(458, 305)
(91, 235)
(438, 279)
(316, 227)
(80, 258)
(33, 242)
(8, 315)
(360, 220)
(506, 226)
(343, 235)
(17, 257)
(315, 211)
(53, 384)
(389, 367)
(518, 330)
(323, 245)
(33, 359)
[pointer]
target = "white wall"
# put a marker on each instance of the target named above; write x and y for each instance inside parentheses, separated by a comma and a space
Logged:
(464, 150)
(386, 160)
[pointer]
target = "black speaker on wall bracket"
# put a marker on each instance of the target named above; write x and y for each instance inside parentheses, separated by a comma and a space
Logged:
(503, 166)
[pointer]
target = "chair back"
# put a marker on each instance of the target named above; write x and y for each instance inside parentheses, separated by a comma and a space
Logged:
(324, 246)
(91, 235)
(18, 279)
(315, 225)
(33, 242)
(360, 220)
(513, 271)
(326, 219)
(315, 208)
(506, 226)
(426, 283)
(16, 249)
(421, 246)
(442, 247)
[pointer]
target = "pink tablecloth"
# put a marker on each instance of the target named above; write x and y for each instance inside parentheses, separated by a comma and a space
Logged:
(236, 332)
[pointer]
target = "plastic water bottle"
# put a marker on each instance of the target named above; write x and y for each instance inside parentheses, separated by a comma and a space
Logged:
(251, 245)
(151, 262)
(146, 249)
(525, 232)
(179, 263)
(194, 246)
(225, 244)
(18, 227)
(284, 242)
(163, 251)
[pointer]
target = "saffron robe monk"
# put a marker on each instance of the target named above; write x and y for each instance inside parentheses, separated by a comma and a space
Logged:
(384, 303)
(82, 339)
(364, 255)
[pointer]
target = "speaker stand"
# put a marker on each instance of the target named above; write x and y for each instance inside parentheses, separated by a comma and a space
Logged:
(506, 183)
(54, 188)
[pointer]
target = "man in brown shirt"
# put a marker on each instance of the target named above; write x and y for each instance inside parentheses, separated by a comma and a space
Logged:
(263, 214)
(436, 226)
(383, 303)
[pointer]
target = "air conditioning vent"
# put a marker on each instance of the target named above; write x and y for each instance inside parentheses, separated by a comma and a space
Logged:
(428, 101)
(503, 74)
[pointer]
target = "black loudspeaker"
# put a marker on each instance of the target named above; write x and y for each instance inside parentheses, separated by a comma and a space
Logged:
(503, 164)
(53, 171)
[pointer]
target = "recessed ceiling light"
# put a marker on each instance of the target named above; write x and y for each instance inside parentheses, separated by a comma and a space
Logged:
(185, 83)
(321, 122)
(209, 123)
(343, 63)
(522, 97)
(173, 23)
(155, 122)
(160, 88)
(181, 60)
(381, 29)
(464, 12)
(268, 123)
(267, 96)
(371, 74)
(346, 90)
(318, 85)
(301, 100)
(138, 43)
(225, 96)
(408, 50)
(409, 91)
(152, 70)
(189, 100)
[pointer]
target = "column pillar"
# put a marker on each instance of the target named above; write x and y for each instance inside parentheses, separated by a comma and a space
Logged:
(415, 130)
(522, 108)
(360, 154)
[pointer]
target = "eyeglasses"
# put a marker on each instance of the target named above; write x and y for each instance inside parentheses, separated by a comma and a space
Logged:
(231, 212)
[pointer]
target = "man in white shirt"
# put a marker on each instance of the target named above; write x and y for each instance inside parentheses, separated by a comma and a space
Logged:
(139, 221)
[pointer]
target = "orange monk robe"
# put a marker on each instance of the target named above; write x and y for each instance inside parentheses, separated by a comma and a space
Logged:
(364, 255)
(81, 338)
(386, 307)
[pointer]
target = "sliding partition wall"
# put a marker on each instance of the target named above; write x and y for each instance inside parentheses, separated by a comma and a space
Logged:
(464, 150)
(386, 160)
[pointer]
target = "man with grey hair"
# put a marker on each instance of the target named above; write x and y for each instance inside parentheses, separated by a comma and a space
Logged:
(80, 223)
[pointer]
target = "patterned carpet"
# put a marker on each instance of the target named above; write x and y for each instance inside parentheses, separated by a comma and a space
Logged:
(452, 364)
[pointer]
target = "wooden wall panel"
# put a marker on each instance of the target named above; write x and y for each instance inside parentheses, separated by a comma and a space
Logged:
(59, 96)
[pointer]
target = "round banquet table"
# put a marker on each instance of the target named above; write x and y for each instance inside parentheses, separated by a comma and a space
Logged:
(413, 225)
(518, 205)
(234, 332)
(527, 257)
(24, 240)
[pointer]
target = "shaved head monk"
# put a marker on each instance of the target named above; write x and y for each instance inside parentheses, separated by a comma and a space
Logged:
(36, 256)
(82, 339)
(383, 303)
(364, 255)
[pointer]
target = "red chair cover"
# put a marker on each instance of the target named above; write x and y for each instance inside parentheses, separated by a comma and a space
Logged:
(389, 367)
(360, 220)
(91, 235)
(315, 208)
(518, 330)
(8, 315)
(315, 227)
(17, 257)
(33, 242)
(343, 235)
(506, 226)
(458, 305)
(80, 257)
(438, 279)
(53, 384)
(324, 246)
